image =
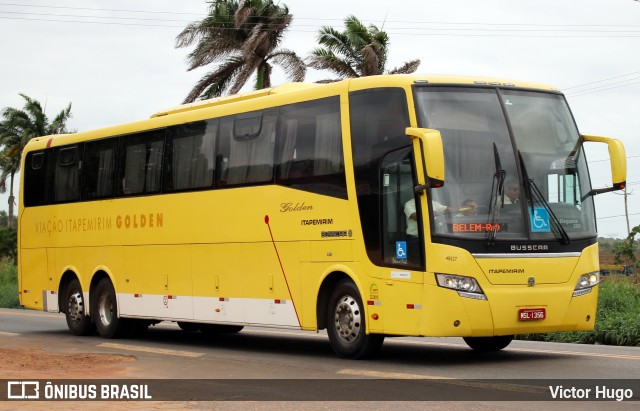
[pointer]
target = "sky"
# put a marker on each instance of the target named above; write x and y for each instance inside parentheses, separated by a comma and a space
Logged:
(115, 60)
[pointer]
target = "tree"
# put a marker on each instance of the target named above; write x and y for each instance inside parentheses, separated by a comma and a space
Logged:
(358, 51)
(625, 252)
(17, 127)
(242, 38)
(8, 243)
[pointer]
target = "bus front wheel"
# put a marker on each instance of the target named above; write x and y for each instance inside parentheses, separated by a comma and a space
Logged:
(486, 344)
(104, 310)
(78, 322)
(346, 324)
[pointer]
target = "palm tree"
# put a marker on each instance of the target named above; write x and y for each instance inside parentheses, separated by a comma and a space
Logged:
(17, 127)
(242, 37)
(358, 51)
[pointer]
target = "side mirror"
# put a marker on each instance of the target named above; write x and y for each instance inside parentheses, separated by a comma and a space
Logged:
(618, 159)
(429, 143)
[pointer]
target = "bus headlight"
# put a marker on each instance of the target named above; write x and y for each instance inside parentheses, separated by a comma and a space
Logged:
(585, 283)
(465, 286)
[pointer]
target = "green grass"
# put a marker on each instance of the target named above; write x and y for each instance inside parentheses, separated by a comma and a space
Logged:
(617, 319)
(8, 285)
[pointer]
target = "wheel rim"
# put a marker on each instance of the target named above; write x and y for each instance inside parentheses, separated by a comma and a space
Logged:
(105, 309)
(76, 307)
(348, 318)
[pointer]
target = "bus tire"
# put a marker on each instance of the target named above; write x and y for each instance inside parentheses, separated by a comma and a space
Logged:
(214, 329)
(346, 324)
(488, 344)
(75, 311)
(104, 310)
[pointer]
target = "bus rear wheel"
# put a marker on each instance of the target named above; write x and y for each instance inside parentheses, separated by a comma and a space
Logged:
(78, 322)
(346, 324)
(487, 344)
(104, 310)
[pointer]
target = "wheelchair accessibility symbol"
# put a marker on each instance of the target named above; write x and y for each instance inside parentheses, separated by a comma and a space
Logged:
(401, 250)
(540, 220)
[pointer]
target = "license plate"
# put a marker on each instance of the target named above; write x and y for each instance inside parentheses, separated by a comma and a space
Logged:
(532, 314)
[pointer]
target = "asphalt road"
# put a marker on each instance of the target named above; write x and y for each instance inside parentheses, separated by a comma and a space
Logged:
(304, 362)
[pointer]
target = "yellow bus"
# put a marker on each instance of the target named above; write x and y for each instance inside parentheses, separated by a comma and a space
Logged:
(386, 205)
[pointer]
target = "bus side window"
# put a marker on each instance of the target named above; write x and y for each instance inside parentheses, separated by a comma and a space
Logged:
(66, 186)
(35, 175)
(140, 163)
(98, 169)
(246, 148)
(309, 150)
(190, 156)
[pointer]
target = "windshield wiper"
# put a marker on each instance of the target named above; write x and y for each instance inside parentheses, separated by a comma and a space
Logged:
(495, 201)
(535, 195)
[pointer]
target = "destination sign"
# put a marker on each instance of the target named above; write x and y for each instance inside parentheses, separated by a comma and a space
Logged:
(477, 227)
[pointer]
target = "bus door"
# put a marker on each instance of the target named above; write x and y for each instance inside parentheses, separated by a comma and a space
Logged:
(402, 243)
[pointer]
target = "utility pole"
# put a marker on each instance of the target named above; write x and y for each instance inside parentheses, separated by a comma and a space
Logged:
(626, 210)
(626, 207)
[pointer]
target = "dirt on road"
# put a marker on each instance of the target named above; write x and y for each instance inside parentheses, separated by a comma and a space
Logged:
(21, 363)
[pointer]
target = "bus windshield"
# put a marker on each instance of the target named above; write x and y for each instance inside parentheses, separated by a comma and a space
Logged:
(515, 169)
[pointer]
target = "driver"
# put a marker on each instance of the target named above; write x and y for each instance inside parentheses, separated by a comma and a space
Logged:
(467, 208)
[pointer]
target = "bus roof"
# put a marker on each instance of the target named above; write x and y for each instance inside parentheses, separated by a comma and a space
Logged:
(235, 98)
(358, 83)
(161, 118)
